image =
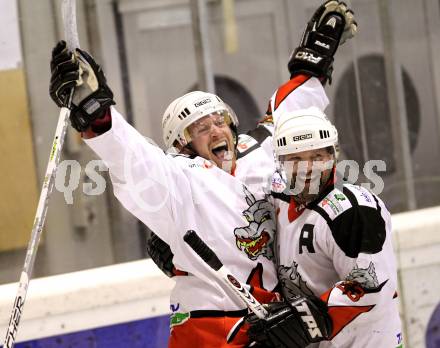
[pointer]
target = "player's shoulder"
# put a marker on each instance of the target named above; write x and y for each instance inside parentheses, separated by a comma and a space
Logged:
(333, 205)
(361, 196)
(246, 144)
(347, 198)
(278, 187)
(178, 155)
(355, 218)
(180, 158)
(190, 161)
(252, 140)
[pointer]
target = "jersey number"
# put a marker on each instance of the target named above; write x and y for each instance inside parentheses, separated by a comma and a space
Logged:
(306, 238)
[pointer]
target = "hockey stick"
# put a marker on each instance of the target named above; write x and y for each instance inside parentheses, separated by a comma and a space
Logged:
(70, 31)
(223, 274)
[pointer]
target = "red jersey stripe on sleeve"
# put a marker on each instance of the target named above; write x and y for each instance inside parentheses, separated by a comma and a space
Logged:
(284, 91)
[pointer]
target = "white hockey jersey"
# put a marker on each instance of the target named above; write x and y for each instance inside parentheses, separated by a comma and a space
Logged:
(327, 249)
(344, 236)
(172, 194)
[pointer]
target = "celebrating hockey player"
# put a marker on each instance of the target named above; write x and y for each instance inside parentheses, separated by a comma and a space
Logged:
(172, 194)
(214, 185)
(336, 262)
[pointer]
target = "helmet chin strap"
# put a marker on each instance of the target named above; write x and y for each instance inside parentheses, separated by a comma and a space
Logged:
(189, 150)
(234, 137)
(302, 200)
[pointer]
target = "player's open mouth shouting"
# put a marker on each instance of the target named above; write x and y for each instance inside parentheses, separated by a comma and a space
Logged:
(212, 138)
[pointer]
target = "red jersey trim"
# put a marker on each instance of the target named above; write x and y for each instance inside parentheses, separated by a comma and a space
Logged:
(284, 91)
(342, 315)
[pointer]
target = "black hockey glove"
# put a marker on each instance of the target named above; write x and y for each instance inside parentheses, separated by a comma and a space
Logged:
(330, 26)
(293, 325)
(92, 97)
(161, 254)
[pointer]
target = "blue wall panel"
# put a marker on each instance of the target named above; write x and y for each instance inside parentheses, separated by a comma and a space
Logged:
(148, 333)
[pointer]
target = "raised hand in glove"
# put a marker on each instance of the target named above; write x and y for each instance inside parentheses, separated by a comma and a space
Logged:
(330, 26)
(291, 325)
(91, 98)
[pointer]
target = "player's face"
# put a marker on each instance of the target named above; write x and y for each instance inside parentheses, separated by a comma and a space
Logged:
(212, 139)
(308, 171)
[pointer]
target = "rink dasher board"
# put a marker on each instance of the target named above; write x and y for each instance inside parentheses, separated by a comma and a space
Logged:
(84, 300)
(416, 241)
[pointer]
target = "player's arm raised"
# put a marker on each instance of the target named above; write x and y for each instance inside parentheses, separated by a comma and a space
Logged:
(144, 179)
(311, 63)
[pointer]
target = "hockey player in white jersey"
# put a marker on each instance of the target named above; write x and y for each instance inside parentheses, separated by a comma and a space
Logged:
(214, 195)
(334, 252)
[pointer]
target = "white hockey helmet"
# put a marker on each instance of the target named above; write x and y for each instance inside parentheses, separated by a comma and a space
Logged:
(186, 110)
(303, 130)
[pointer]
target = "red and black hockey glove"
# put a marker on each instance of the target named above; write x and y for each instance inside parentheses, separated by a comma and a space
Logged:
(294, 325)
(330, 26)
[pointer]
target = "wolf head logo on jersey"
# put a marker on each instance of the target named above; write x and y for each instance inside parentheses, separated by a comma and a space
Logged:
(257, 238)
(367, 277)
(291, 281)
